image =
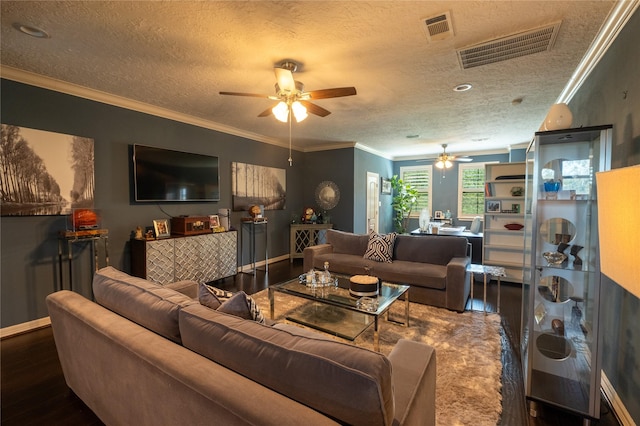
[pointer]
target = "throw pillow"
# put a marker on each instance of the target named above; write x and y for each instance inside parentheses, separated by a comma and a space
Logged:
(380, 247)
(243, 306)
(212, 297)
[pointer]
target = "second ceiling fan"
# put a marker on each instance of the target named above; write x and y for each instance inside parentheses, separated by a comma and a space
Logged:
(444, 160)
(292, 97)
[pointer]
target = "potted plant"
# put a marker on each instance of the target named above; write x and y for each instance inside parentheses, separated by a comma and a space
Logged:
(403, 201)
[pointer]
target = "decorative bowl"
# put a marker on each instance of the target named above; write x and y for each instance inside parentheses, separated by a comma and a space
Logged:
(554, 258)
(514, 226)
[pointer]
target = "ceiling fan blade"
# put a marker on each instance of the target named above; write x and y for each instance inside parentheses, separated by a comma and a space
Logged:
(253, 95)
(463, 159)
(267, 112)
(315, 109)
(285, 79)
(336, 92)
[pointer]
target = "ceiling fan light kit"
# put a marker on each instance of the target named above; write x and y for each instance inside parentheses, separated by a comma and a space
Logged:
(293, 100)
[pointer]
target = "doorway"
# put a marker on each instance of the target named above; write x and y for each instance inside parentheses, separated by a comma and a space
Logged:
(373, 201)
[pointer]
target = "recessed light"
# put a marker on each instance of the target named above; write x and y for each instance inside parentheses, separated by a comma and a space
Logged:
(462, 87)
(31, 30)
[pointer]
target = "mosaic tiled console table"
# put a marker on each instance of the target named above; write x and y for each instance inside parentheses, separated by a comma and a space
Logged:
(201, 258)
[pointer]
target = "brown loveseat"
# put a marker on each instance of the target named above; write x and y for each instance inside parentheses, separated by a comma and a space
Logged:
(150, 355)
(434, 266)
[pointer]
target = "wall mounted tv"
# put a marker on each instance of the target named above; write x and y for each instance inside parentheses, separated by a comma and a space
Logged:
(166, 175)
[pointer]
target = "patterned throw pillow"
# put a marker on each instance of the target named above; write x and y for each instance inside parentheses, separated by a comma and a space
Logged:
(380, 247)
(243, 306)
(212, 297)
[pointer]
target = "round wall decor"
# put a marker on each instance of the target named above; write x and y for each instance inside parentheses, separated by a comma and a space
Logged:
(327, 195)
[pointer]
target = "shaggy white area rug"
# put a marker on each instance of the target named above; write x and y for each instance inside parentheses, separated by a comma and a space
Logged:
(468, 355)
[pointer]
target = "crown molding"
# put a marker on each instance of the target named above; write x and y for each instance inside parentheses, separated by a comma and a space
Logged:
(44, 82)
(616, 20)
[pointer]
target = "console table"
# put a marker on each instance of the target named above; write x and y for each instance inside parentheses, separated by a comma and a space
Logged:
(254, 227)
(93, 236)
(306, 235)
(201, 258)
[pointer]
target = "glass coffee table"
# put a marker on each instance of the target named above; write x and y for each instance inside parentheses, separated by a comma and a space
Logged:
(334, 311)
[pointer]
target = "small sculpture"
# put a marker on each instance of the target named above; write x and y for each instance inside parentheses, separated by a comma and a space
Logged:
(558, 327)
(138, 233)
(577, 262)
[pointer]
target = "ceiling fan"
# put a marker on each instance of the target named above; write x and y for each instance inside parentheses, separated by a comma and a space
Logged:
(292, 97)
(444, 160)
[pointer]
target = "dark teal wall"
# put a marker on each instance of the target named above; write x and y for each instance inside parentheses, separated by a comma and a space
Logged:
(367, 162)
(30, 244)
(336, 166)
(611, 95)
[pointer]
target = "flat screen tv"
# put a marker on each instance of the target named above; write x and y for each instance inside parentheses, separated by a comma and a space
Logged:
(166, 175)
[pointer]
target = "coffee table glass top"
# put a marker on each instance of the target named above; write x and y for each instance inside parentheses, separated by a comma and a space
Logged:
(334, 310)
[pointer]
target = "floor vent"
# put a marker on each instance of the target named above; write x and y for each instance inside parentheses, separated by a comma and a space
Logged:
(438, 27)
(513, 46)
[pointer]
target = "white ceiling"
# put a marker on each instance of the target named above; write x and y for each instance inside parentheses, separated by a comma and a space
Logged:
(177, 56)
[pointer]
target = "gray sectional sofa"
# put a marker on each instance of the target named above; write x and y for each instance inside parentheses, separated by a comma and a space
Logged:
(434, 266)
(145, 354)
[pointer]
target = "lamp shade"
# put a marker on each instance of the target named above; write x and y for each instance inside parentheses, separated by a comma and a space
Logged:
(299, 111)
(558, 117)
(618, 221)
(281, 112)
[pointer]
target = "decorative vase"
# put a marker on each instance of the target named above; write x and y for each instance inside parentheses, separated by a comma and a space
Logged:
(423, 220)
(558, 117)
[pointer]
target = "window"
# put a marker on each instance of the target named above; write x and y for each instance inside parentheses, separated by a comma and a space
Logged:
(574, 174)
(419, 177)
(471, 190)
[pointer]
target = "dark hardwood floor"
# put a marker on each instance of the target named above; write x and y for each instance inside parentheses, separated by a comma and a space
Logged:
(33, 390)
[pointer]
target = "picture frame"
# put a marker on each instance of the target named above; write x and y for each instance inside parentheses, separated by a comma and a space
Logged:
(214, 221)
(385, 186)
(252, 185)
(161, 226)
(67, 160)
(493, 206)
(438, 214)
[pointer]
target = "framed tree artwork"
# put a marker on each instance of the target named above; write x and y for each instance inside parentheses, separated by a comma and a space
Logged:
(254, 185)
(45, 173)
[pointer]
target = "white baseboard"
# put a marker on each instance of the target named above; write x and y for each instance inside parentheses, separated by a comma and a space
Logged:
(24, 327)
(261, 263)
(619, 410)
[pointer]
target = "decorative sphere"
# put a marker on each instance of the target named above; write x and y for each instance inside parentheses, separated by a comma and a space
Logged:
(559, 117)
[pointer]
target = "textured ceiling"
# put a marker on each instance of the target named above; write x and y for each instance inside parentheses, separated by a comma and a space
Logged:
(178, 55)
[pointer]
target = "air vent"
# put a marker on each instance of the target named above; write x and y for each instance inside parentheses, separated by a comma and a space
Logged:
(438, 27)
(513, 46)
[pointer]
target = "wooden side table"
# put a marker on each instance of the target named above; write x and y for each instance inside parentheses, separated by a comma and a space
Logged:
(303, 235)
(71, 237)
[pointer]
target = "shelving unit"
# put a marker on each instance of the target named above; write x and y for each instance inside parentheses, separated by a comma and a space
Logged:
(560, 339)
(504, 205)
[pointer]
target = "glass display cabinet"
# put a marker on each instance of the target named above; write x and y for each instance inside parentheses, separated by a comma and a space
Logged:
(560, 342)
